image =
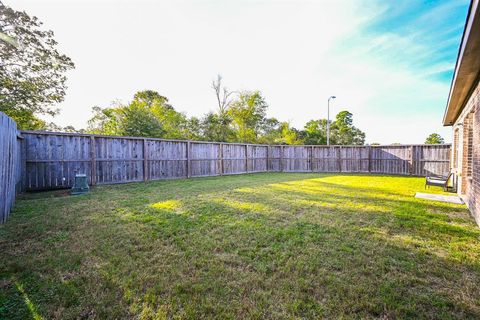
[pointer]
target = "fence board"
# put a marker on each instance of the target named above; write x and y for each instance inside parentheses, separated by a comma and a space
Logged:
(10, 165)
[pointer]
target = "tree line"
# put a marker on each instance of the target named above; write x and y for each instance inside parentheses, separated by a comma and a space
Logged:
(239, 117)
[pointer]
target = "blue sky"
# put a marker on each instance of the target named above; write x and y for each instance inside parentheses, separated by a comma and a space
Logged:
(412, 46)
(432, 28)
(389, 62)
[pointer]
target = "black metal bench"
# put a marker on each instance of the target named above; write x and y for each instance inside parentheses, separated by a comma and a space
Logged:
(441, 181)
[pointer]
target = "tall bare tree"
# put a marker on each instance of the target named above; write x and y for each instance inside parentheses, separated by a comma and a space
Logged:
(223, 95)
(217, 125)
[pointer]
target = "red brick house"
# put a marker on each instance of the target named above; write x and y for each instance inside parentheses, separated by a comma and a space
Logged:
(463, 113)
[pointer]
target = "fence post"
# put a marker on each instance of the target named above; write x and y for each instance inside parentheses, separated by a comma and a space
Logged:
(221, 158)
(281, 159)
(246, 158)
(339, 159)
(267, 166)
(311, 159)
(93, 153)
(369, 158)
(145, 161)
(189, 169)
(23, 157)
(411, 161)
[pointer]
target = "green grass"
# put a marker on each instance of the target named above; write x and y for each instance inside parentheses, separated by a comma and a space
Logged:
(249, 246)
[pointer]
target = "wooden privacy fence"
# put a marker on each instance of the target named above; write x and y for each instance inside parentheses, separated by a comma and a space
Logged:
(10, 165)
(52, 159)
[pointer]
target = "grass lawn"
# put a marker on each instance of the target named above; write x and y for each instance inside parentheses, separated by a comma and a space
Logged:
(248, 246)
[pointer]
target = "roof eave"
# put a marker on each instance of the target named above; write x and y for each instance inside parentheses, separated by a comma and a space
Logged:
(467, 66)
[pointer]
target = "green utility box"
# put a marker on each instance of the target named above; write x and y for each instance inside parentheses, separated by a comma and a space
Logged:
(80, 185)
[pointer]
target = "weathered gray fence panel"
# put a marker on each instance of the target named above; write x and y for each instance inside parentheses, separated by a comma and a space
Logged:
(326, 159)
(10, 165)
(257, 158)
(166, 159)
(390, 159)
(297, 159)
(117, 160)
(52, 159)
(354, 159)
(204, 159)
(234, 158)
(430, 159)
(275, 157)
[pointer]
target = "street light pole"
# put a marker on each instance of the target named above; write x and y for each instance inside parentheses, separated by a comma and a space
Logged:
(328, 119)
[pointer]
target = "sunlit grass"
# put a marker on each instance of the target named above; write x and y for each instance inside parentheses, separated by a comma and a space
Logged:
(31, 307)
(166, 205)
(253, 246)
(241, 205)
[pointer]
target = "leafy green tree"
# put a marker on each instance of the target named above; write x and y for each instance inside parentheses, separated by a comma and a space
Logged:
(434, 138)
(344, 132)
(216, 127)
(288, 134)
(147, 115)
(138, 120)
(275, 132)
(72, 129)
(104, 121)
(56, 128)
(271, 133)
(32, 71)
(315, 132)
(25, 119)
(248, 114)
(175, 124)
(151, 98)
(194, 129)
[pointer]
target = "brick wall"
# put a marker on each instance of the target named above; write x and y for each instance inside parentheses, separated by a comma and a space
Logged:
(474, 180)
(470, 153)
